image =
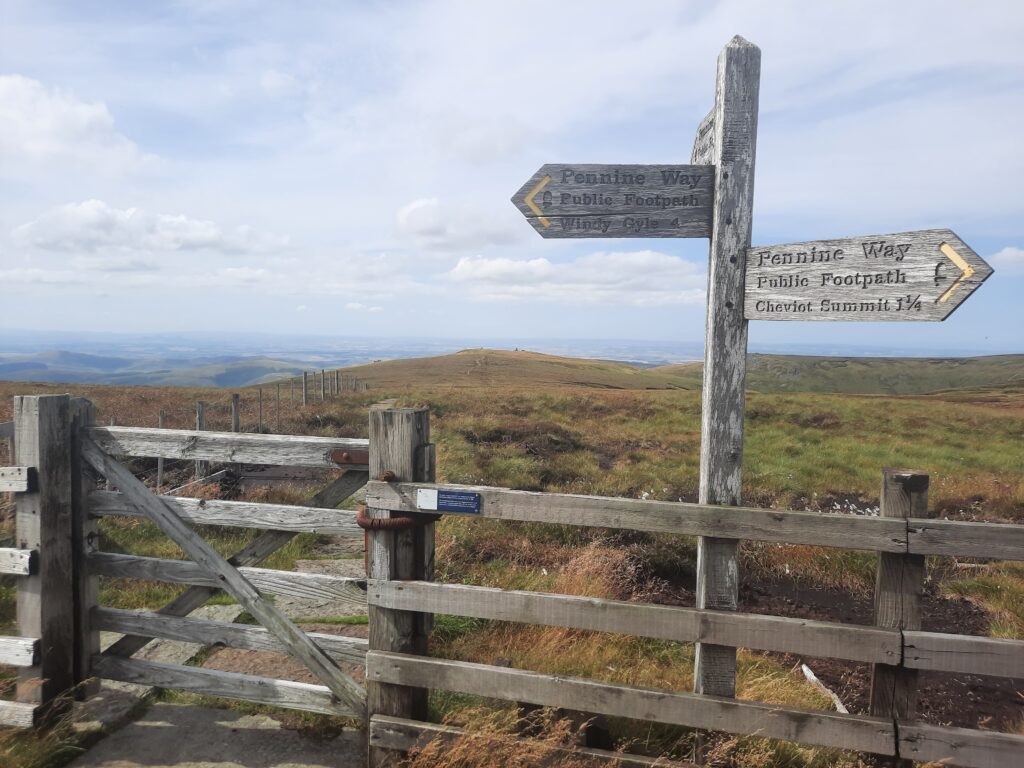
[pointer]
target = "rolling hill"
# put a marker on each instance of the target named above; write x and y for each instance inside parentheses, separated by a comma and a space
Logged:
(765, 373)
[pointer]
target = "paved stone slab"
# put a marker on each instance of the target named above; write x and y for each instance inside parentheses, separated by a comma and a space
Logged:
(174, 736)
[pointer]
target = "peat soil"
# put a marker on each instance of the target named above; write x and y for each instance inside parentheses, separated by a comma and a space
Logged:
(961, 700)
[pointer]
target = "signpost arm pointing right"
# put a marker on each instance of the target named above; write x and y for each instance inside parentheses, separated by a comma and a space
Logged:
(725, 344)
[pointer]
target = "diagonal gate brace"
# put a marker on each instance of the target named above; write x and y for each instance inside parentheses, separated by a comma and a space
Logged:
(298, 643)
(254, 553)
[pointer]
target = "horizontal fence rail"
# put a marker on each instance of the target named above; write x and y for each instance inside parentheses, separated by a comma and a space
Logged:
(237, 447)
(238, 514)
(18, 562)
(19, 651)
(204, 632)
(828, 729)
(210, 682)
(17, 479)
(844, 531)
(403, 735)
(14, 714)
(919, 650)
(312, 585)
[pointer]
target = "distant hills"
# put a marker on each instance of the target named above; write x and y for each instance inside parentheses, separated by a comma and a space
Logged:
(80, 368)
(765, 373)
(475, 368)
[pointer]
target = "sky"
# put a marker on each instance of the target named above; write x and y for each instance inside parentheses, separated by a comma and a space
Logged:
(346, 168)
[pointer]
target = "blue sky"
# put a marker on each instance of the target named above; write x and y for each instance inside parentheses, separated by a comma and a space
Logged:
(346, 168)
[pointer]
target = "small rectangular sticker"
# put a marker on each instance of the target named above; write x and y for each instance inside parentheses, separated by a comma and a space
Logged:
(426, 498)
(458, 501)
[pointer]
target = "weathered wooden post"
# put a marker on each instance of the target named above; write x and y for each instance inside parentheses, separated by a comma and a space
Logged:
(725, 345)
(305, 387)
(323, 385)
(337, 381)
(291, 390)
(46, 605)
(85, 540)
(113, 423)
(160, 459)
(400, 444)
(200, 426)
(899, 584)
(236, 416)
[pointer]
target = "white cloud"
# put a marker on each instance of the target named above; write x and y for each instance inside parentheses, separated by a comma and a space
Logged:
(354, 306)
(1009, 260)
(47, 126)
(94, 226)
(445, 228)
(636, 278)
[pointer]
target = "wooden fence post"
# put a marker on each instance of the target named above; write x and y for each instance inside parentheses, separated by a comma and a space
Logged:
(399, 443)
(113, 423)
(42, 430)
(85, 540)
(236, 417)
(305, 387)
(259, 413)
(160, 459)
(200, 425)
(337, 381)
(899, 584)
(725, 345)
(323, 385)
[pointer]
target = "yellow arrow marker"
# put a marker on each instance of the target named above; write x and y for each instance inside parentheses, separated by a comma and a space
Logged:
(533, 206)
(961, 263)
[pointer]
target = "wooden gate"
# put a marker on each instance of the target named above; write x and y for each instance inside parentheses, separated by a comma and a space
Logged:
(57, 438)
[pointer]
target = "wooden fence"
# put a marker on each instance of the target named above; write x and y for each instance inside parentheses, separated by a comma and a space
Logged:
(59, 504)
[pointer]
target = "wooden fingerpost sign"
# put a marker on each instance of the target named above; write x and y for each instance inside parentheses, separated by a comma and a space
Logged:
(921, 275)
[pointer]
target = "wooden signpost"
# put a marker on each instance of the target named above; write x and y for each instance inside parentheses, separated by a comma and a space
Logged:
(618, 200)
(907, 276)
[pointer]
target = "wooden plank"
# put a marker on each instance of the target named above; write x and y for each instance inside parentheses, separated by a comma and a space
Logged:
(685, 625)
(238, 514)
(959, 746)
(398, 437)
(231, 685)
(865, 734)
(921, 275)
(290, 450)
(400, 734)
(17, 715)
(17, 479)
(725, 343)
(232, 581)
(253, 553)
(703, 152)
(963, 653)
(18, 562)
(136, 622)
(85, 538)
(962, 539)
(19, 651)
(571, 201)
(312, 585)
(844, 531)
(46, 598)
(899, 585)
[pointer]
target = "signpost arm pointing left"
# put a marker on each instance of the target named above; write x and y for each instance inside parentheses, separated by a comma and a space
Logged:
(725, 344)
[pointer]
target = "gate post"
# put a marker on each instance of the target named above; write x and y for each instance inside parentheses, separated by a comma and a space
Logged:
(85, 540)
(899, 583)
(399, 444)
(42, 430)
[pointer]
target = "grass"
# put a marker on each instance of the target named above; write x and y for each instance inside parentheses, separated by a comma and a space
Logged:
(803, 451)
